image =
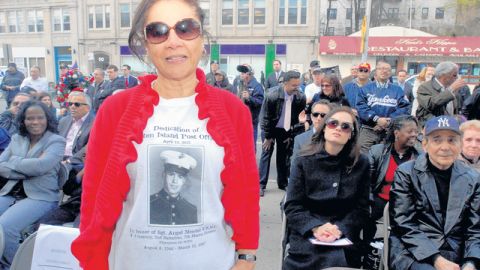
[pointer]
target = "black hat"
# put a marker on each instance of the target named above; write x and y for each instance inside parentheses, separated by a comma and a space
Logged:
(244, 68)
(12, 65)
(314, 63)
(214, 62)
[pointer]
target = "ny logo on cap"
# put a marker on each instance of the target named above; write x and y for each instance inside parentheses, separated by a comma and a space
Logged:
(443, 122)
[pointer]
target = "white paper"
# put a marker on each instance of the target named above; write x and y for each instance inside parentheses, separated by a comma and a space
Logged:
(337, 243)
(52, 248)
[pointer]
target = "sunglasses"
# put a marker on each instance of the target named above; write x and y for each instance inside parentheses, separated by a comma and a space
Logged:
(345, 127)
(186, 29)
(325, 85)
(317, 114)
(76, 104)
(364, 70)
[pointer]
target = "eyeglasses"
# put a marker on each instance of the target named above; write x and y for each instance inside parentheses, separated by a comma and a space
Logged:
(317, 114)
(364, 70)
(186, 29)
(76, 104)
(325, 85)
(345, 127)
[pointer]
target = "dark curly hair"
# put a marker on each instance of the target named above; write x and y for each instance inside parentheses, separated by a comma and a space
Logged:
(20, 119)
(397, 124)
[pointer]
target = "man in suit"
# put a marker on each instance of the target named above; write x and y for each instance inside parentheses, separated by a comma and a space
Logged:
(276, 76)
(319, 110)
(406, 87)
(115, 83)
(167, 206)
(435, 205)
(281, 109)
(75, 128)
(98, 83)
(129, 80)
(437, 96)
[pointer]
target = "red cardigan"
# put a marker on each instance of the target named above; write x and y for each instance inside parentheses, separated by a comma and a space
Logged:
(121, 120)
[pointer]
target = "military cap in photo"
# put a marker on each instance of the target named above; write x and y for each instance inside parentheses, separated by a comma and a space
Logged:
(178, 159)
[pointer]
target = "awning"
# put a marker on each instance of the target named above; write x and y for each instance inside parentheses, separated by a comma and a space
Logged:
(402, 46)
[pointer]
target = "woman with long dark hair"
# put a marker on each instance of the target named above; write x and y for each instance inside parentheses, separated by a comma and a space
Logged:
(331, 90)
(327, 196)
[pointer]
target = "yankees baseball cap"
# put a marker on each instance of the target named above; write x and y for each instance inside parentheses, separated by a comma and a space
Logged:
(443, 122)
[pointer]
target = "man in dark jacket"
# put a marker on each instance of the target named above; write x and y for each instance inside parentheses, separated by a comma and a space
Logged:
(115, 83)
(11, 82)
(276, 76)
(250, 92)
(282, 106)
(221, 81)
(7, 118)
(435, 205)
(437, 96)
(213, 69)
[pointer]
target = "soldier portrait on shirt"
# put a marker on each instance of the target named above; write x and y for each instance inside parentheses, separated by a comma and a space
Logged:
(174, 204)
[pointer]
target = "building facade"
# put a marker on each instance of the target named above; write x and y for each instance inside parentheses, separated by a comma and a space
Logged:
(94, 33)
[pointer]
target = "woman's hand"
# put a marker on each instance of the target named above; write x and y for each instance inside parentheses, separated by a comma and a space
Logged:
(327, 232)
(243, 265)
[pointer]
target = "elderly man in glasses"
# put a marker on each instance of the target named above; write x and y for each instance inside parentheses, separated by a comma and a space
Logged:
(319, 110)
(75, 127)
(435, 205)
(437, 96)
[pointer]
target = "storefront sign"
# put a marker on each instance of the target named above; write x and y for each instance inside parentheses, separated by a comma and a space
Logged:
(403, 46)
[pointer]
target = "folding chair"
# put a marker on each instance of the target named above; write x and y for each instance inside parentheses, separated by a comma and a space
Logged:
(23, 257)
(386, 234)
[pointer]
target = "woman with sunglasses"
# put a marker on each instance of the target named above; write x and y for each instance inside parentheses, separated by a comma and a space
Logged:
(327, 196)
(331, 90)
(173, 110)
(30, 166)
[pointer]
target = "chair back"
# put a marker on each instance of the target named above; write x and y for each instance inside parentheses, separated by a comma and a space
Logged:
(23, 257)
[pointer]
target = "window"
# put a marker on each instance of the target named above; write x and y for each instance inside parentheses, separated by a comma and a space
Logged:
(124, 15)
(292, 12)
(330, 31)
(35, 21)
(243, 12)
(412, 12)
(348, 30)
(332, 13)
(15, 21)
(3, 29)
(61, 20)
(206, 10)
(393, 13)
(439, 13)
(12, 21)
(424, 13)
(66, 20)
(99, 17)
(227, 12)
(259, 12)
(349, 14)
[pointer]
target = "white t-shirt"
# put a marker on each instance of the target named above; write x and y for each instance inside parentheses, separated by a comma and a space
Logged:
(201, 241)
(40, 84)
(311, 90)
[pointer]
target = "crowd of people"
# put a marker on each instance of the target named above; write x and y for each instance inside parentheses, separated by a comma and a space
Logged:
(175, 155)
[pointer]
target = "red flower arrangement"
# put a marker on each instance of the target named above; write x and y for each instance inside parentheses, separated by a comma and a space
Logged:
(72, 80)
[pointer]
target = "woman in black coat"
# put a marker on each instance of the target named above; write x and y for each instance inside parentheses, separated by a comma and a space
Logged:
(327, 196)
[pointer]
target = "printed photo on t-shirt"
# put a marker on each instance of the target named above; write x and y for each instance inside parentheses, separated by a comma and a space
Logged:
(175, 185)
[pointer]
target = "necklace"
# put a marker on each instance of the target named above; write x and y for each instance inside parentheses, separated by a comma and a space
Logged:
(152, 85)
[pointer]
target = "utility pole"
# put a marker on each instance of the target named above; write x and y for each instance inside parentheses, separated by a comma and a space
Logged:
(368, 11)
